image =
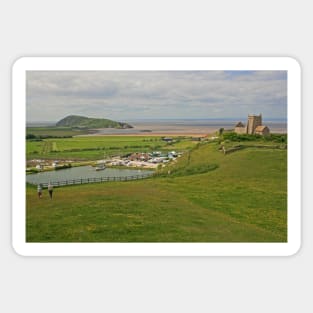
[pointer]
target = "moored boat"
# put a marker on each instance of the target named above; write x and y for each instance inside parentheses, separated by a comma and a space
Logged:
(100, 167)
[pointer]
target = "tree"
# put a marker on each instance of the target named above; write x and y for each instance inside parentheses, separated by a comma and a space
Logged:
(30, 136)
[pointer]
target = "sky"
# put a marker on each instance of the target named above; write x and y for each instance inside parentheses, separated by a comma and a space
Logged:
(133, 95)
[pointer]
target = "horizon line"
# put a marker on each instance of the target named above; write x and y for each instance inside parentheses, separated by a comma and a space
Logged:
(285, 119)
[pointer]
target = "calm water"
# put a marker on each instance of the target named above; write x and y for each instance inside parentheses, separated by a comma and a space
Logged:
(200, 126)
(81, 172)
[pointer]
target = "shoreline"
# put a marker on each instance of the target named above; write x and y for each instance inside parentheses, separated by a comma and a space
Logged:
(191, 133)
(144, 134)
(178, 129)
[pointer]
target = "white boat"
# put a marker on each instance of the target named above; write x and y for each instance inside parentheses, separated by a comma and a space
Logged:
(101, 164)
(100, 167)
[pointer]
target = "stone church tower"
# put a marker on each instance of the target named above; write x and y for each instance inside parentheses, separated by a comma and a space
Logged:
(253, 122)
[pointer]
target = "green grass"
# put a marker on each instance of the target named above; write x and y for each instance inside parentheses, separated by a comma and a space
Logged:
(243, 199)
(53, 131)
(95, 147)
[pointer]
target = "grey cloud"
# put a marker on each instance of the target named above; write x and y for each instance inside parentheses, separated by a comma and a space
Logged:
(144, 94)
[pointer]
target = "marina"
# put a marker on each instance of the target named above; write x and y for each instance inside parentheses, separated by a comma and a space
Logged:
(85, 174)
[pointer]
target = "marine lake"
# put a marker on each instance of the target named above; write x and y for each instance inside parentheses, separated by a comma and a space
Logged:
(82, 172)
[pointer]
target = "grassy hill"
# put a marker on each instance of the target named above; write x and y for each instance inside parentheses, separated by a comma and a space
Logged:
(87, 122)
(207, 197)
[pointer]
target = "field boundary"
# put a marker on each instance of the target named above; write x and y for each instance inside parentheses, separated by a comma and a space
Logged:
(89, 180)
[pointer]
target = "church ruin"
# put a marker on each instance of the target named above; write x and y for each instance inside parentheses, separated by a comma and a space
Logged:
(254, 126)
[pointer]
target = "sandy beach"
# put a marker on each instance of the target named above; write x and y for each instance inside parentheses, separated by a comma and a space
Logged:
(194, 128)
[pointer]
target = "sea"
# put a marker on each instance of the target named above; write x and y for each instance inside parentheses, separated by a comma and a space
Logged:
(179, 126)
(188, 126)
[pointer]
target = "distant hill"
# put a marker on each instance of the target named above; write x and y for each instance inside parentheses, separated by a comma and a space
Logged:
(87, 122)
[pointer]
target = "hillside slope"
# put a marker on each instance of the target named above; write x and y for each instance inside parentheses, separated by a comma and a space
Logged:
(243, 199)
(87, 122)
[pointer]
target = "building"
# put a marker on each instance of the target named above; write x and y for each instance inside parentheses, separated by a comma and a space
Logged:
(240, 128)
(262, 130)
(253, 122)
(254, 126)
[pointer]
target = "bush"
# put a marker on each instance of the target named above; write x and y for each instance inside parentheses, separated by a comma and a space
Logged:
(232, 136)
(31, 136)
(189, 170)
(280, 138)
(69, 165)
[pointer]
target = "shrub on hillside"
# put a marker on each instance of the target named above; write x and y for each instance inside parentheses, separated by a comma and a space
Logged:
(188, 170)
(31, 136)
(232, 136)
(280, 138)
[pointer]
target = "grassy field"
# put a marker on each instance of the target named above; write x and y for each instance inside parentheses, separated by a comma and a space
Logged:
(95, 147)
(53, 131)
(207, 197)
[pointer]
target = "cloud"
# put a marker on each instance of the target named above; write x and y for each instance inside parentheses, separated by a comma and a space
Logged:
(126, 95)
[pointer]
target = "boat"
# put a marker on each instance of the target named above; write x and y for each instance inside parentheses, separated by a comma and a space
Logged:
(100, 167)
